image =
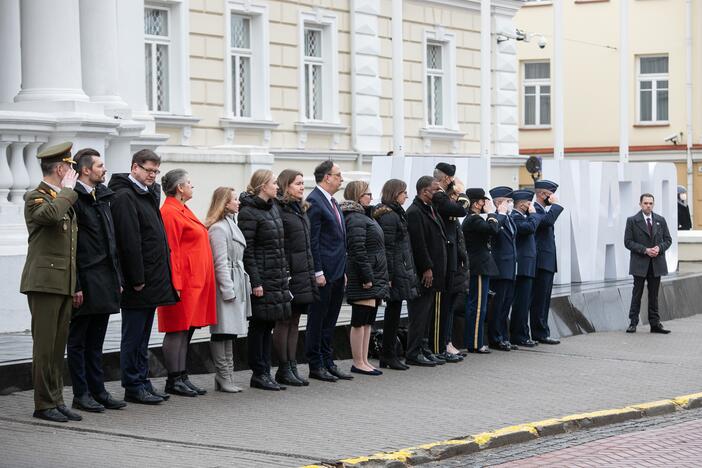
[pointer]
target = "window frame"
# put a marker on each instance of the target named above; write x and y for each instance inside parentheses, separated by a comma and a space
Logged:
(153, 42)
(326, 22)
(653, 78)
(447, 41)
(537, 83)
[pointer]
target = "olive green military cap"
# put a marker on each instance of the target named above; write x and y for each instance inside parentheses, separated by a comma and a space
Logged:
(57, 153)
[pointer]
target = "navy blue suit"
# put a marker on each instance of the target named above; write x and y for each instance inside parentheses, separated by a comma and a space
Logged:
(545, 268)
(526, 270)
(504, 252)
(328, 241)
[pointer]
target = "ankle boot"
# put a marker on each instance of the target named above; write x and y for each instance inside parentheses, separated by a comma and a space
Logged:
(286, 377)
(392, 363)
(176, 386)
(293, 369)
(191, 386)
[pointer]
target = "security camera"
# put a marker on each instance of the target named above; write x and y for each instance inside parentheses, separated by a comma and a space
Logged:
(541, 42)
(674, 138)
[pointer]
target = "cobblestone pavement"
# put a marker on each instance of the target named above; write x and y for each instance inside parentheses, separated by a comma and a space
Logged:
(671, 440)
(369, 414)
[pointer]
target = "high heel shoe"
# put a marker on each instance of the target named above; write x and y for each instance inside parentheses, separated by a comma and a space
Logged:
(225, 385)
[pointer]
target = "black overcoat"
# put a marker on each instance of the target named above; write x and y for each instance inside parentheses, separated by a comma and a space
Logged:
(429, 243)
(144, 255)
(99, 275)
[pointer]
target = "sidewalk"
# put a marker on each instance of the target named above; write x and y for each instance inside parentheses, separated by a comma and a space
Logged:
(399, 409)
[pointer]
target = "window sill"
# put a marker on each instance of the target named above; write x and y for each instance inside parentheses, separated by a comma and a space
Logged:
(174, 121)
(652, 124)
(438, 133)
(537, 3)
(228, 122)
(534, 128)
(319, 127)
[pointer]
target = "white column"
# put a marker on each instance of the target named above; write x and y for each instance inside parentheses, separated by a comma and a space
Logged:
(10, 58)
(20, 176)
(51, 66)
(485, 88)
(98, 25)
(557, 84)
(32, 163)
(690, 110)
(130, 33)
(5, 174)
(624, 79)
(398, 90)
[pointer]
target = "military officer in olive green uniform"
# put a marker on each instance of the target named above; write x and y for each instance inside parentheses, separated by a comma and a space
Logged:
(49, 277)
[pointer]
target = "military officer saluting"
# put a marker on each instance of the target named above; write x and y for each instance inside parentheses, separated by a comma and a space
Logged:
(49, 277)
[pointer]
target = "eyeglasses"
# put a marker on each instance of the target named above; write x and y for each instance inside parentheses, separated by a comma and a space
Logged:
(150, 171)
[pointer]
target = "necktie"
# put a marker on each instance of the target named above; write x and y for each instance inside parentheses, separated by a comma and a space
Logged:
(336, 211)
(92, 192)
(650, 227)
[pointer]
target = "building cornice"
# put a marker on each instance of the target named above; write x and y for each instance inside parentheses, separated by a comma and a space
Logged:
(502, 6)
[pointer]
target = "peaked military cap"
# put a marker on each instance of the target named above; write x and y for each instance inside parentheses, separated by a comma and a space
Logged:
(501, 192)
(476, 194)
(446, 168)
(522, 195)
(57, 153)
(546, 185)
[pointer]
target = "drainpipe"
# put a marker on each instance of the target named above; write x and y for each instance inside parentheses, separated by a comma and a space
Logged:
(354, 126)
(398, 92)
(623, 81)
(485, 88)
(688, 93)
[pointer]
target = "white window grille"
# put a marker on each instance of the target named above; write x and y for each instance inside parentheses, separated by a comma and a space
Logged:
(241, 54)
(537, 94)
(435, 84)
(313, 64)
(653, 89)
(157, 58)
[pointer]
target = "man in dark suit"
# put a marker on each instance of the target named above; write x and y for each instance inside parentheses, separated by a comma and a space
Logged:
(428, 239)
(546, 205)
(504, 252)
(647, 237)
(526, 221)
(449, 210)
(328, 238)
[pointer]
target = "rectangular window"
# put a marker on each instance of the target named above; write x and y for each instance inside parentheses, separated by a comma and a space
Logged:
(652, 80)
(537, 94)
(241, 54)
(313, 64)
(435, 84)
(157, 58)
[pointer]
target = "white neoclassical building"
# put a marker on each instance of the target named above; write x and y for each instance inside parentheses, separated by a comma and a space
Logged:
(223, 87)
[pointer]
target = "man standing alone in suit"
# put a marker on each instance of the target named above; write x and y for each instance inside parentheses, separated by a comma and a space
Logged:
(647, 237)
(328, 241)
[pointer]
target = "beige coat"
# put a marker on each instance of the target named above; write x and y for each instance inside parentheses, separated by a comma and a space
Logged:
(233, 287)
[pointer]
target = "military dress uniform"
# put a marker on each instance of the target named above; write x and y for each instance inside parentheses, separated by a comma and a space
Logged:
(49, 279)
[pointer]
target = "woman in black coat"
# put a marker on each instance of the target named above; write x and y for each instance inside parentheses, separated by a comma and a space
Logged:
(478, 232)
(401, 274)
(303, 286)
(366, 271)
(264, 261)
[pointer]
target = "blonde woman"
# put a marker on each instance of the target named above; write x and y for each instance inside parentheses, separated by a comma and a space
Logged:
(264, 261)
(233, 288)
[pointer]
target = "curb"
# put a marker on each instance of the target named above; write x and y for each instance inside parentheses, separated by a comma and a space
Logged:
(436, 451)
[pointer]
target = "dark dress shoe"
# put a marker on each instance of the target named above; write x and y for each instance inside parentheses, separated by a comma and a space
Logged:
(392, 363)
(162, 395)
(143, 397)
(527, 343)
(513, 347)
(192, 386)
(264, 382)
(501, 346)
(420, 360)
(450, 358)
(86, 402)
(631, 329)
(338, 373)
(436, 359)
(285, 376)
(51, 414)
(356, 370)
(322, 374)
(659, 329)
(272, 381)
(109, 402)
(549, 341)
(71, 415)
(177, 386)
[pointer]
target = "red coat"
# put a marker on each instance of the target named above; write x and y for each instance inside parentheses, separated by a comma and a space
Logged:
(192, 271)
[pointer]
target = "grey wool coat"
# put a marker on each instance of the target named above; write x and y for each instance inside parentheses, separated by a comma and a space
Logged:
(233, 287)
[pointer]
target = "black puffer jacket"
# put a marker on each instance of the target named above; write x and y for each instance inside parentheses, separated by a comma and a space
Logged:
(142, 246)
(264, 257)
(365, 255)
(393, 220)
(298, 252)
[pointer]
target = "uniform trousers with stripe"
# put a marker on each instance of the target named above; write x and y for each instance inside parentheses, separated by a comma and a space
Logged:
(476, 309)
(438, 327)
